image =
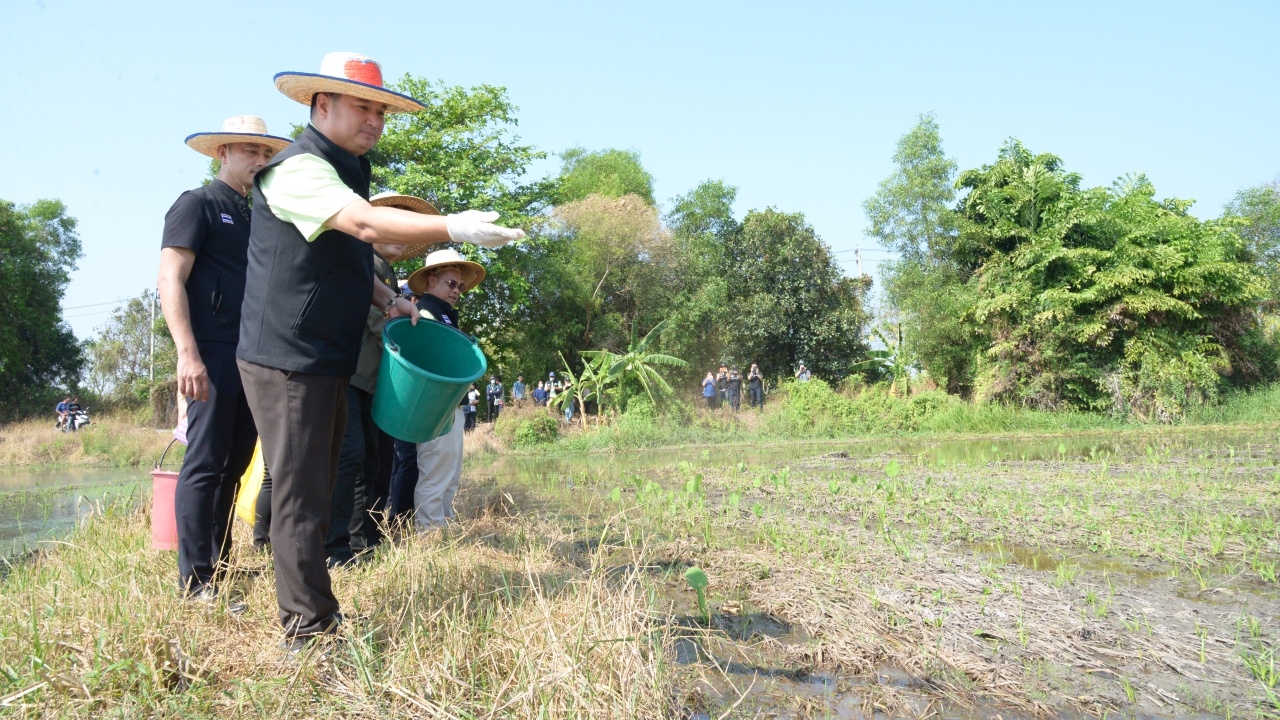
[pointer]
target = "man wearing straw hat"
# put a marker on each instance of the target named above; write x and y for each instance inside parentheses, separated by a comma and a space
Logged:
(203, 260)
(310, 284)
(360, 495)
(441, 280)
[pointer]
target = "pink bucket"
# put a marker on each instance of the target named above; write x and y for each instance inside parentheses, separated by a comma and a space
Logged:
(164, 524)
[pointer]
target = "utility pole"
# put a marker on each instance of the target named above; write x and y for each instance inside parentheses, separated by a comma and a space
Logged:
(857, 255)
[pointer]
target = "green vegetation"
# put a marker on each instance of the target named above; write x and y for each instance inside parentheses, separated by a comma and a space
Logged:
(39, 355)
(118, 439)
(1036, 291)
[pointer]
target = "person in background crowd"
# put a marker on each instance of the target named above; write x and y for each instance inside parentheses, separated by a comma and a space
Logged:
(722, 385)
(471, 403)
(204, 260)
(735, 389)
(73, 410)
(493, 393)
(308, 289)
(540, 394)
(709, 390)
(803, 373)
(444, 276)
(518, 389)
(61, 409)
(358, 499)
(755, 385)
(568, 405)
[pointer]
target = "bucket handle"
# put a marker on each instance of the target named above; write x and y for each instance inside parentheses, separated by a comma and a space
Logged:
(160, 462)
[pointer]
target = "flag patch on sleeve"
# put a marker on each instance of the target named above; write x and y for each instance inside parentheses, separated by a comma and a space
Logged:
(227, 219)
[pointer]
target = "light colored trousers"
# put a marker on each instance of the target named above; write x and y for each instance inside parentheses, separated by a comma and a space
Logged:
(439, 473)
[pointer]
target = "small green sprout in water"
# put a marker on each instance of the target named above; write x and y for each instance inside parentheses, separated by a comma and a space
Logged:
(834, 487)
(757, 510)
(697, 580)
(693, 485)
(1062, 448)
(892, 469)
(733, 500)
(742, 467)
(616, 495)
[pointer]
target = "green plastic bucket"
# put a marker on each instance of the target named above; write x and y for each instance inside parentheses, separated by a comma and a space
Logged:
(426, 371)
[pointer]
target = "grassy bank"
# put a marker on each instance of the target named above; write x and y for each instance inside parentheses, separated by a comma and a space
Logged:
(115, 440)
(814, 411)
(501, 618)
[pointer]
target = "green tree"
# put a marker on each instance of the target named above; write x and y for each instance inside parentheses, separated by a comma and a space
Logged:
(1257, 213)
(120, 358)
(1103, 297)
(789, 300)
(617, 246)
(612, 173)
(911, 214)
(462, 153)
(701, 224)
(39, 355)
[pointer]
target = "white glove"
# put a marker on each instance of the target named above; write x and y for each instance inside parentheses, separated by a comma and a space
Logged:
(477, 228)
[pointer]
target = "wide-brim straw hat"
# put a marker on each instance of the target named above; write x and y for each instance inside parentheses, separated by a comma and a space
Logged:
(472, 272)
(345, 73)
(238, 129)
(412, 204)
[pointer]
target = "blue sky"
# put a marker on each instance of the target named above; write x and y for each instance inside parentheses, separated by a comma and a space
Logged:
(798, 105)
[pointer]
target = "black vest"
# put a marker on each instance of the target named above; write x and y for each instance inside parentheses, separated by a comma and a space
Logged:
(305, 303)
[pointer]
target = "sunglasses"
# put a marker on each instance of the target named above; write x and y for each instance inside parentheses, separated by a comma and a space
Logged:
(453, 284)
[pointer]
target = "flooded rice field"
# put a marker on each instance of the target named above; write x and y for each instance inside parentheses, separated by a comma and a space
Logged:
(1128, 576)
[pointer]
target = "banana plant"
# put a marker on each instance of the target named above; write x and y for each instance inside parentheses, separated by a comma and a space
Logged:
(891, 361)
(637, 362)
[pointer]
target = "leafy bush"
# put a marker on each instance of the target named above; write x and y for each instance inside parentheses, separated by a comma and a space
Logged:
(523, 426)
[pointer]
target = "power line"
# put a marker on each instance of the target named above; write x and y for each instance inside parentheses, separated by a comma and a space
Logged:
(96, 312)
(108, 302)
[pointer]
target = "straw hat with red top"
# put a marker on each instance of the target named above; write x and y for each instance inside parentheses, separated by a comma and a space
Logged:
(345, 73)
(238, 129)
(412, 204)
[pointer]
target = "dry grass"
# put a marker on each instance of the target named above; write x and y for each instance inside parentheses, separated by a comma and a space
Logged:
(484, 621)
(110, 441)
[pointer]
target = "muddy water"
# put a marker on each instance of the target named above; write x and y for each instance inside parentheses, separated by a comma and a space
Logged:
(45, 504)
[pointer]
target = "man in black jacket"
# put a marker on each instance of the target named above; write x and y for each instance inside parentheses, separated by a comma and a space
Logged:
(203, 260)
(310, 284)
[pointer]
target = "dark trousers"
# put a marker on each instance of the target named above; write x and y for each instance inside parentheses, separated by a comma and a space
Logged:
(735, 399)
(303, 419)
(220, 440)
(469, 420)
(262, 511)
(404, 478)
(357, 465)
(372, 504)
(757, 397)
(713, 402)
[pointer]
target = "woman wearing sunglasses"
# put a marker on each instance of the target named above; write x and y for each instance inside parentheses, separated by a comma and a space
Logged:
(441, 280)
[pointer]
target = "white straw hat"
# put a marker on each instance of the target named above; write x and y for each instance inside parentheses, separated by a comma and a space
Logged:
(347, 74)
(472, 272)
(412, 204)
(238, 129)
